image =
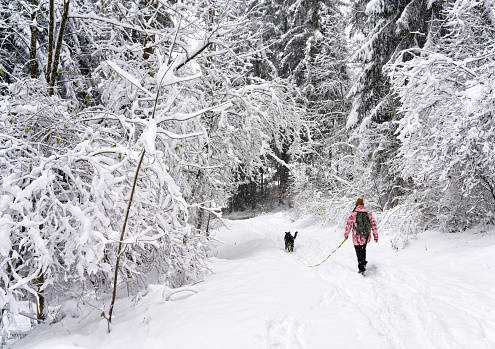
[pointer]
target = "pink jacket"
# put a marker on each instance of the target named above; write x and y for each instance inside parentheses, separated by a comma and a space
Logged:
(351, 224)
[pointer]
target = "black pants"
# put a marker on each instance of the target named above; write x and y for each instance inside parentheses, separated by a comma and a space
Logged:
(361, 256)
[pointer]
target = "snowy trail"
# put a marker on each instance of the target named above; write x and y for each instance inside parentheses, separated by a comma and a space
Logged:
(436, 293)
(410, 299)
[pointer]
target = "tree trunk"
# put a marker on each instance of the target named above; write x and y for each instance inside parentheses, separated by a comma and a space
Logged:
(38, 282)
(148, 50)
(199, 223)
(33, 67)
(53, 71)
(492, 189)
(283, 171)
(208, 224)
(253, 194)
(262, 191)
(51, 25)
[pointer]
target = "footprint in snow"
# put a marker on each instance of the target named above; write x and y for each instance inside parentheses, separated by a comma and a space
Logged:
(286, 332)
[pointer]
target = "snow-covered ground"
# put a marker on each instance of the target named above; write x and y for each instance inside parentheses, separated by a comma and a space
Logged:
(438, 292)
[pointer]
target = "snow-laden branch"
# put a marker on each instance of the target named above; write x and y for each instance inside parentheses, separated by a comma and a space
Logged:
(201, 166)
(432, 58)
(173, 135)
(129, 78)
(187, 116)
(95, 17)
(185, 58)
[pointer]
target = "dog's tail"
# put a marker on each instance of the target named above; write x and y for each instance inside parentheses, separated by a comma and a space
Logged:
(295, 235)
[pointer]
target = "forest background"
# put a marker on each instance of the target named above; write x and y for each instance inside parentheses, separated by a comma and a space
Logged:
(128, 126)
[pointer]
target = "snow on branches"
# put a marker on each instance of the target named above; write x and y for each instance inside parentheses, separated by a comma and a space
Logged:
(447, 132)
(98, 180)
(66, 181)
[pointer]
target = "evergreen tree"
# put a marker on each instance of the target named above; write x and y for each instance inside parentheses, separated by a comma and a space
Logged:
(390, 27)
(327, 80)
(302, 41)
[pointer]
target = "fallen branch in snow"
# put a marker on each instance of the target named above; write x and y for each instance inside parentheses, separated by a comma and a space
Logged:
(171, 294)
(32, 317)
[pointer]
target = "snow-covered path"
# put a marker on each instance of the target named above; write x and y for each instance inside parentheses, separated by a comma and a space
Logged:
(439, 292)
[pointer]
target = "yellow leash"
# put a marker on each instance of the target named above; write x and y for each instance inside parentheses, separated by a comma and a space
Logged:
(311, 266)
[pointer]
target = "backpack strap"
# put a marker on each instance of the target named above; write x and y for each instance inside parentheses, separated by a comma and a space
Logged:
(354, 226)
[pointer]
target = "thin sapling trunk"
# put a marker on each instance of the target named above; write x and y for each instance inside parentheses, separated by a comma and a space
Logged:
(122, 238)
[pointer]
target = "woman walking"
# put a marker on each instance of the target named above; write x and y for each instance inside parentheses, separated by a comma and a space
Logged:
(361, 222)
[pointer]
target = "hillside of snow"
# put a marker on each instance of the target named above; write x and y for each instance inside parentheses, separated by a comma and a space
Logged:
(438, 292)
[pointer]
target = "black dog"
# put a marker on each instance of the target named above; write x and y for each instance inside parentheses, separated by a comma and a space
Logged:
(289, 241)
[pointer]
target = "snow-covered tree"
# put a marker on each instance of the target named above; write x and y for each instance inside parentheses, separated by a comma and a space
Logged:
(249, 136)
(326, 78)
(302, 42)
(67, 203)
(391, 26)
(15, 22)
(384, 28)
(447, 130)
(326, 82)
(99, 180)
(66, 180)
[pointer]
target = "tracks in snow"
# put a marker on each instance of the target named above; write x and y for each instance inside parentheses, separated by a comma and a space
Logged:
(406, 307)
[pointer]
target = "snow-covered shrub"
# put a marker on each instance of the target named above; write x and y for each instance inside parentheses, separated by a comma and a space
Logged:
(66, 184)
(330, 189)
(402, 222)
(54, 228)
